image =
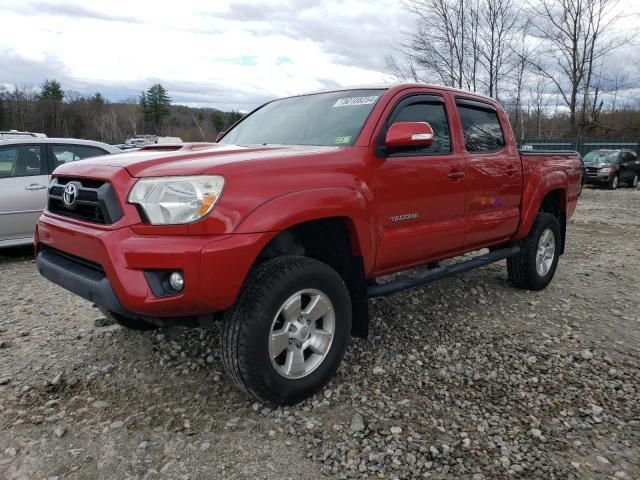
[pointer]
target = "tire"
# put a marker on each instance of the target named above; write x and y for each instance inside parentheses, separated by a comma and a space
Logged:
(250, 355)
(614, 182)
(523, 269)
(128, 322)
(634, 182)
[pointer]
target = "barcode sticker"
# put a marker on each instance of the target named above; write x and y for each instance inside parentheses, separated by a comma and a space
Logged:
(354, 101)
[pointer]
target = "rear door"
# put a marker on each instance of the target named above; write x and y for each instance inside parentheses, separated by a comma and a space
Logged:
(420, 194)
(494, 175)
(23, 189)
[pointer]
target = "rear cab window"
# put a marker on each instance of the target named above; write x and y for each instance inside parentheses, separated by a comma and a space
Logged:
(480, 126)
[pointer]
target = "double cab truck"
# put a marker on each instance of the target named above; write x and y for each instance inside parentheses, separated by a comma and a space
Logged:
(283, 228)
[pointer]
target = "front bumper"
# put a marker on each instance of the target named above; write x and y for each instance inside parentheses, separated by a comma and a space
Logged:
(108, 267)
(598, 179)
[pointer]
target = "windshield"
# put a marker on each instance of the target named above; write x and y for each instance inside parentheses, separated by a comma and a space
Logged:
(326, 119)
(601, 156)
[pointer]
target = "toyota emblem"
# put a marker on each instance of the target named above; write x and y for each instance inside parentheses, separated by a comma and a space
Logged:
(70, 195)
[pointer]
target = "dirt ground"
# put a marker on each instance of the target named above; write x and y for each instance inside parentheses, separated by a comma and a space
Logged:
(465, 378)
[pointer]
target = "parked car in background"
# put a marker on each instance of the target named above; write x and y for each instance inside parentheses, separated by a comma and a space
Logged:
(26, 165)
(162, 140)
(612, 167)
(125, 146)
(13, 134)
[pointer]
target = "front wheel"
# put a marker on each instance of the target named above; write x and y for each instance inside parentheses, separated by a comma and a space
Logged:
(533, 268)
(614, 182)
(288, 331)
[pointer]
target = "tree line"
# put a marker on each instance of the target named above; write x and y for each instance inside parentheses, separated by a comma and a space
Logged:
(551, 63)
(58, 113)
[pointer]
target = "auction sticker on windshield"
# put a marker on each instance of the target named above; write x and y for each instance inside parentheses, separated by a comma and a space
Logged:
(342, 140)
(353, 101)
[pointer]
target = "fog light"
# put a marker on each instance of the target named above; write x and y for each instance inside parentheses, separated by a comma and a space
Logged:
(176, 281)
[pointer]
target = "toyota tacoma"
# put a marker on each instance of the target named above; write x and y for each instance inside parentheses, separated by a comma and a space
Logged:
(284, 227)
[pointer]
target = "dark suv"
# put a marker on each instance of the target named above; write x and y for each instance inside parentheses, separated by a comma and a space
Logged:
(612, 167)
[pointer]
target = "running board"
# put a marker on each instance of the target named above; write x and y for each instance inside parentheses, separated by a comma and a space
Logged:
(404, 283)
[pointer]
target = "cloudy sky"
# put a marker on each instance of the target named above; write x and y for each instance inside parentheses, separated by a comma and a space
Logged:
(233, 54)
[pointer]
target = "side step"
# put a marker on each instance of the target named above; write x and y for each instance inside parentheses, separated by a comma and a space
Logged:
(404, 283)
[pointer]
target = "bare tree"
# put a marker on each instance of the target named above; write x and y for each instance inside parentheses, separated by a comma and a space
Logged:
(438, 44)
(521, 54)
(576, 34)
(498, 24)
(460, 43)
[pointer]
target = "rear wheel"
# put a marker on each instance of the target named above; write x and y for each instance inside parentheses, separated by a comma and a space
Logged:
(287, 333)
(534, 267)
(634, 181)
(128, 322)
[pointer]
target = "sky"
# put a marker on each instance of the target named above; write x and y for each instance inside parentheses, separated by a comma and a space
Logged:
(223, 54)
(233, 54)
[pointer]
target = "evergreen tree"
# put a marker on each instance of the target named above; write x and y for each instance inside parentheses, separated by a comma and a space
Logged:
(155, 105)
(51, 90)
(218, 121)
(233, 116)
(97, 99)
(51, 96)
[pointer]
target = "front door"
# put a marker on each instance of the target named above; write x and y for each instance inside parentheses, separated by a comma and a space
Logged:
(420, 194)
(23, 189)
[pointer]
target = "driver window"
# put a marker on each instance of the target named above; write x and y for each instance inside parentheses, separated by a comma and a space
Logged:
(432, 113)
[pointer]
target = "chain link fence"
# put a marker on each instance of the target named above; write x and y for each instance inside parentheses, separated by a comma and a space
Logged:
(583, 146)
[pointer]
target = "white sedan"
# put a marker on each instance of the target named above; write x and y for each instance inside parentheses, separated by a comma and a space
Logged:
(26, 165)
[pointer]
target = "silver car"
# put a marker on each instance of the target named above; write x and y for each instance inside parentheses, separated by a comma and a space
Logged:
(25, 170)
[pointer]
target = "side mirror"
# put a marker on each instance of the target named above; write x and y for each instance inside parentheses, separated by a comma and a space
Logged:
(219, 136)
(409, 134)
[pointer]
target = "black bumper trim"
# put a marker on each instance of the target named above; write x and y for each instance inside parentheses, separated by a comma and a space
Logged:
(85, 281)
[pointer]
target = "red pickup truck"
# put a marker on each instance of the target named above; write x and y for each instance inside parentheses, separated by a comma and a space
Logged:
(283, 226)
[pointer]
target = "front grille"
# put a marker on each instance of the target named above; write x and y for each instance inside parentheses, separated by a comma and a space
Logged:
(89, 213)
(592, 170)
(95, 201)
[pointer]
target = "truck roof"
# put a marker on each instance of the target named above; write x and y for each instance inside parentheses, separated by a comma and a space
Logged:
(398, 86)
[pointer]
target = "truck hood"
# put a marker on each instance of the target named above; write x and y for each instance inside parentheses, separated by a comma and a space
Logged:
(598, 164)
(194, 162)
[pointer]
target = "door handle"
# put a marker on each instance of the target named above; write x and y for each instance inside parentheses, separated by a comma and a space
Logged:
(35, 186)
(510, 170)
(455, 175)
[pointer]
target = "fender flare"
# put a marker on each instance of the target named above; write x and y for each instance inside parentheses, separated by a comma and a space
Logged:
(290, 209)
(537, 188)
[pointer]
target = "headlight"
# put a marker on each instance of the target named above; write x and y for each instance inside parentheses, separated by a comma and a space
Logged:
(174, 200)
(606, 170)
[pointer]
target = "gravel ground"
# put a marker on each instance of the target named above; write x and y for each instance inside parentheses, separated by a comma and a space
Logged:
(467, 378)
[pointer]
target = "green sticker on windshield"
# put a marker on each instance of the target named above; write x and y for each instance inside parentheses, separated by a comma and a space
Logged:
(342, 140)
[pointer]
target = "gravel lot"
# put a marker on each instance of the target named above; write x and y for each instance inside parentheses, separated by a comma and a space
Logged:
(466, 378)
